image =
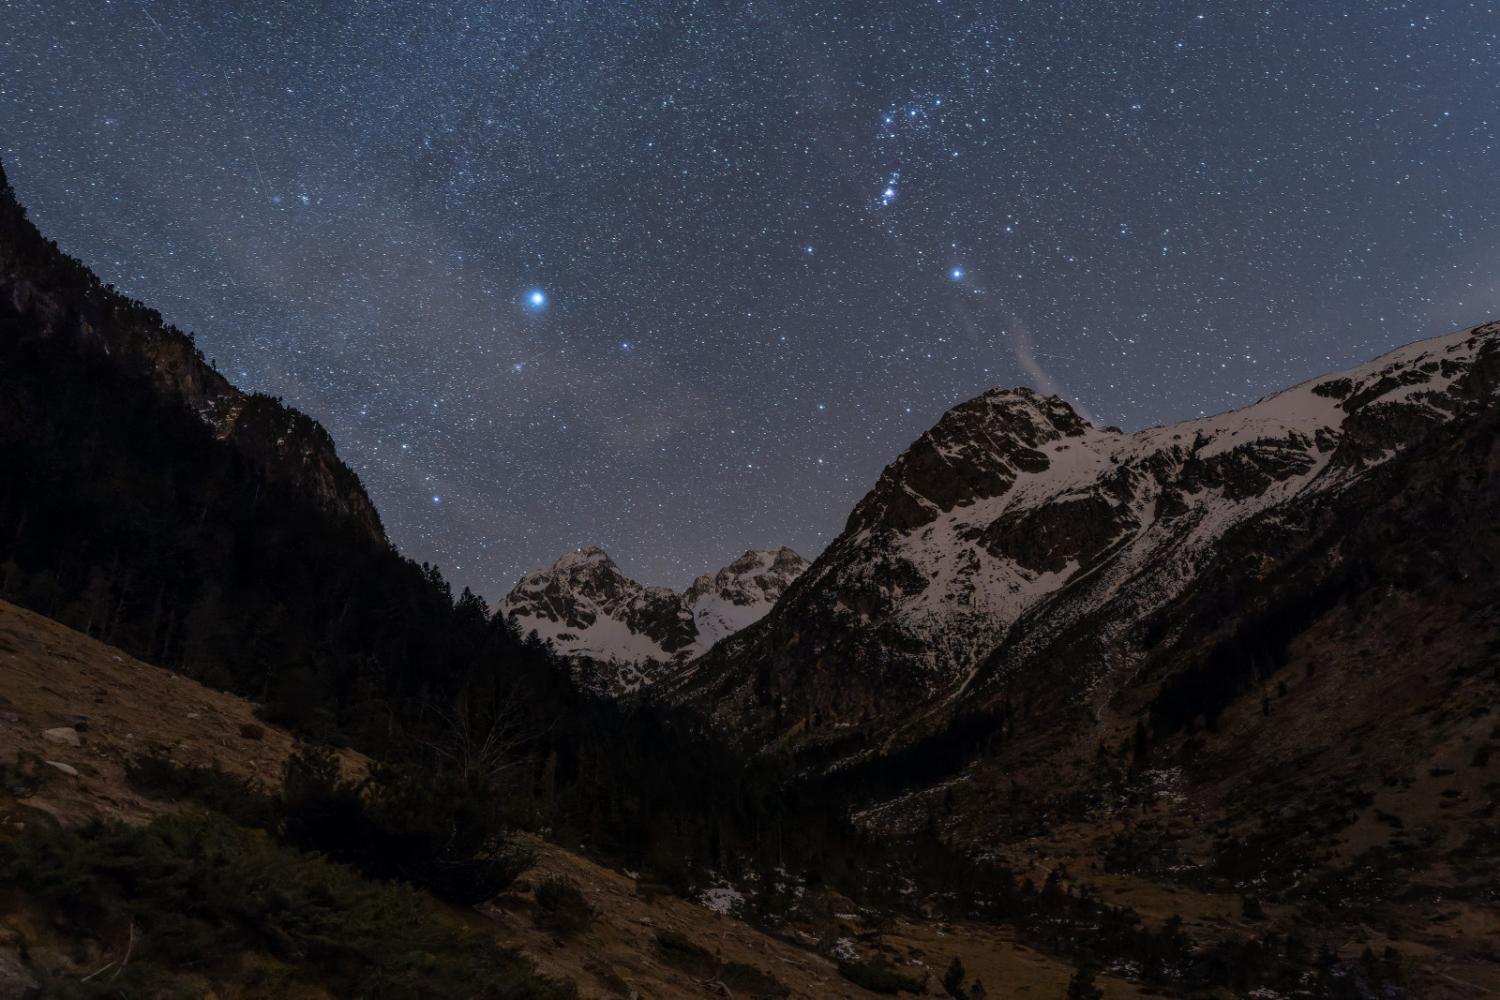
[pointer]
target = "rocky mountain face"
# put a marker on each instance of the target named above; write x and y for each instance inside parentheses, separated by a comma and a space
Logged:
(1253, 656)
(1014, 524)
(46, 295)
(621, 633)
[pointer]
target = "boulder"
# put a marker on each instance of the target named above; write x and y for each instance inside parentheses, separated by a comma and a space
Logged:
(63, 734)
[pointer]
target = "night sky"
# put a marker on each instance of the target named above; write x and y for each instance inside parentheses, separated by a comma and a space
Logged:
(680, 278)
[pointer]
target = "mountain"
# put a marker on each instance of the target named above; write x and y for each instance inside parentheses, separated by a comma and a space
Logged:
(1253, 656)
(1014, 523)
(49, 298)
(149, 503)
(620, 633)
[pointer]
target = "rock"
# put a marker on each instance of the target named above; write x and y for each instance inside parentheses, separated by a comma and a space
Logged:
(63, 734)
(67, 769)
(15, 979)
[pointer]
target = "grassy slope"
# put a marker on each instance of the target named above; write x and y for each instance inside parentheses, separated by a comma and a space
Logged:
(52, 676)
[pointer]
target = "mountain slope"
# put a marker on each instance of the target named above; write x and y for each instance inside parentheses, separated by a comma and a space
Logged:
(1013, 520)
(1309, 721)
(48, 296)
(620, 633)
(149, 503)
(1255, 654)
(55, 677)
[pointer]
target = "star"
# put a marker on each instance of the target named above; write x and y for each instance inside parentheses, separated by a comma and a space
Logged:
(702, 205)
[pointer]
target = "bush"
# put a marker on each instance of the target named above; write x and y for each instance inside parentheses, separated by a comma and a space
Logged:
(880, 978)
(953, 979)
(404, 824)
(208, 905)
(741, 979)
(1081, 986)
(26, 776)
(747, 980)
(158, 777)
(561, 907)
(394, 825)
(680, 950)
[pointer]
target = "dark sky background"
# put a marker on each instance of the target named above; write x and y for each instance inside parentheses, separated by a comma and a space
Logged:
(770, 243)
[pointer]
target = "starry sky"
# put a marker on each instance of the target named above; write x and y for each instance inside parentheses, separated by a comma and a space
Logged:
(680, 278)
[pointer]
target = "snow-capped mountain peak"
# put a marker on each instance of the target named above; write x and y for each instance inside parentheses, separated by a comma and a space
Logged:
(742, 592)
(623, 632)
(1013, 518)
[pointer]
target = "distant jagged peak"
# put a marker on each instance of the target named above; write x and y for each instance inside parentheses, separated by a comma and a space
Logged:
(763, 568)
(591, 612)
(587, 557)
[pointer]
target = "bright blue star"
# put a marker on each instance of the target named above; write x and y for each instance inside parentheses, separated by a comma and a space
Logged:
(956, 274)
(536, 300)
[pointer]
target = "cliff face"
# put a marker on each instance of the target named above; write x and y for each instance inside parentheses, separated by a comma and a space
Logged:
(47, 295)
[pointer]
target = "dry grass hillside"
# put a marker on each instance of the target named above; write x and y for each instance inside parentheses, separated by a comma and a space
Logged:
(74, 711)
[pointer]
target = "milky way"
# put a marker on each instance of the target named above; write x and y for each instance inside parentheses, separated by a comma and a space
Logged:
(680, 278)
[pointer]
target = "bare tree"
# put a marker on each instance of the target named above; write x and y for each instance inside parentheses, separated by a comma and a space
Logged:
(483, 744)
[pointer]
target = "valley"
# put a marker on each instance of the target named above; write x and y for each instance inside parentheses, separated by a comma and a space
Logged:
(1203, 710)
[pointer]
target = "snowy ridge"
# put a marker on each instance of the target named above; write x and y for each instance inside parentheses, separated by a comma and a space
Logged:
(621, 632)
(1014, 511)
(740, 594)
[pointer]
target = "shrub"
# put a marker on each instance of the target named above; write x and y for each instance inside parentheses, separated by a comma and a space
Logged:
(741, 979)
(158, 777)
(677, 948)
(953, 979)
(406, 824)
(194, 892)
(26, 776)
(394, 825)
(880, 978)
(561, 906)
(747, 980)
(1081, 986)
